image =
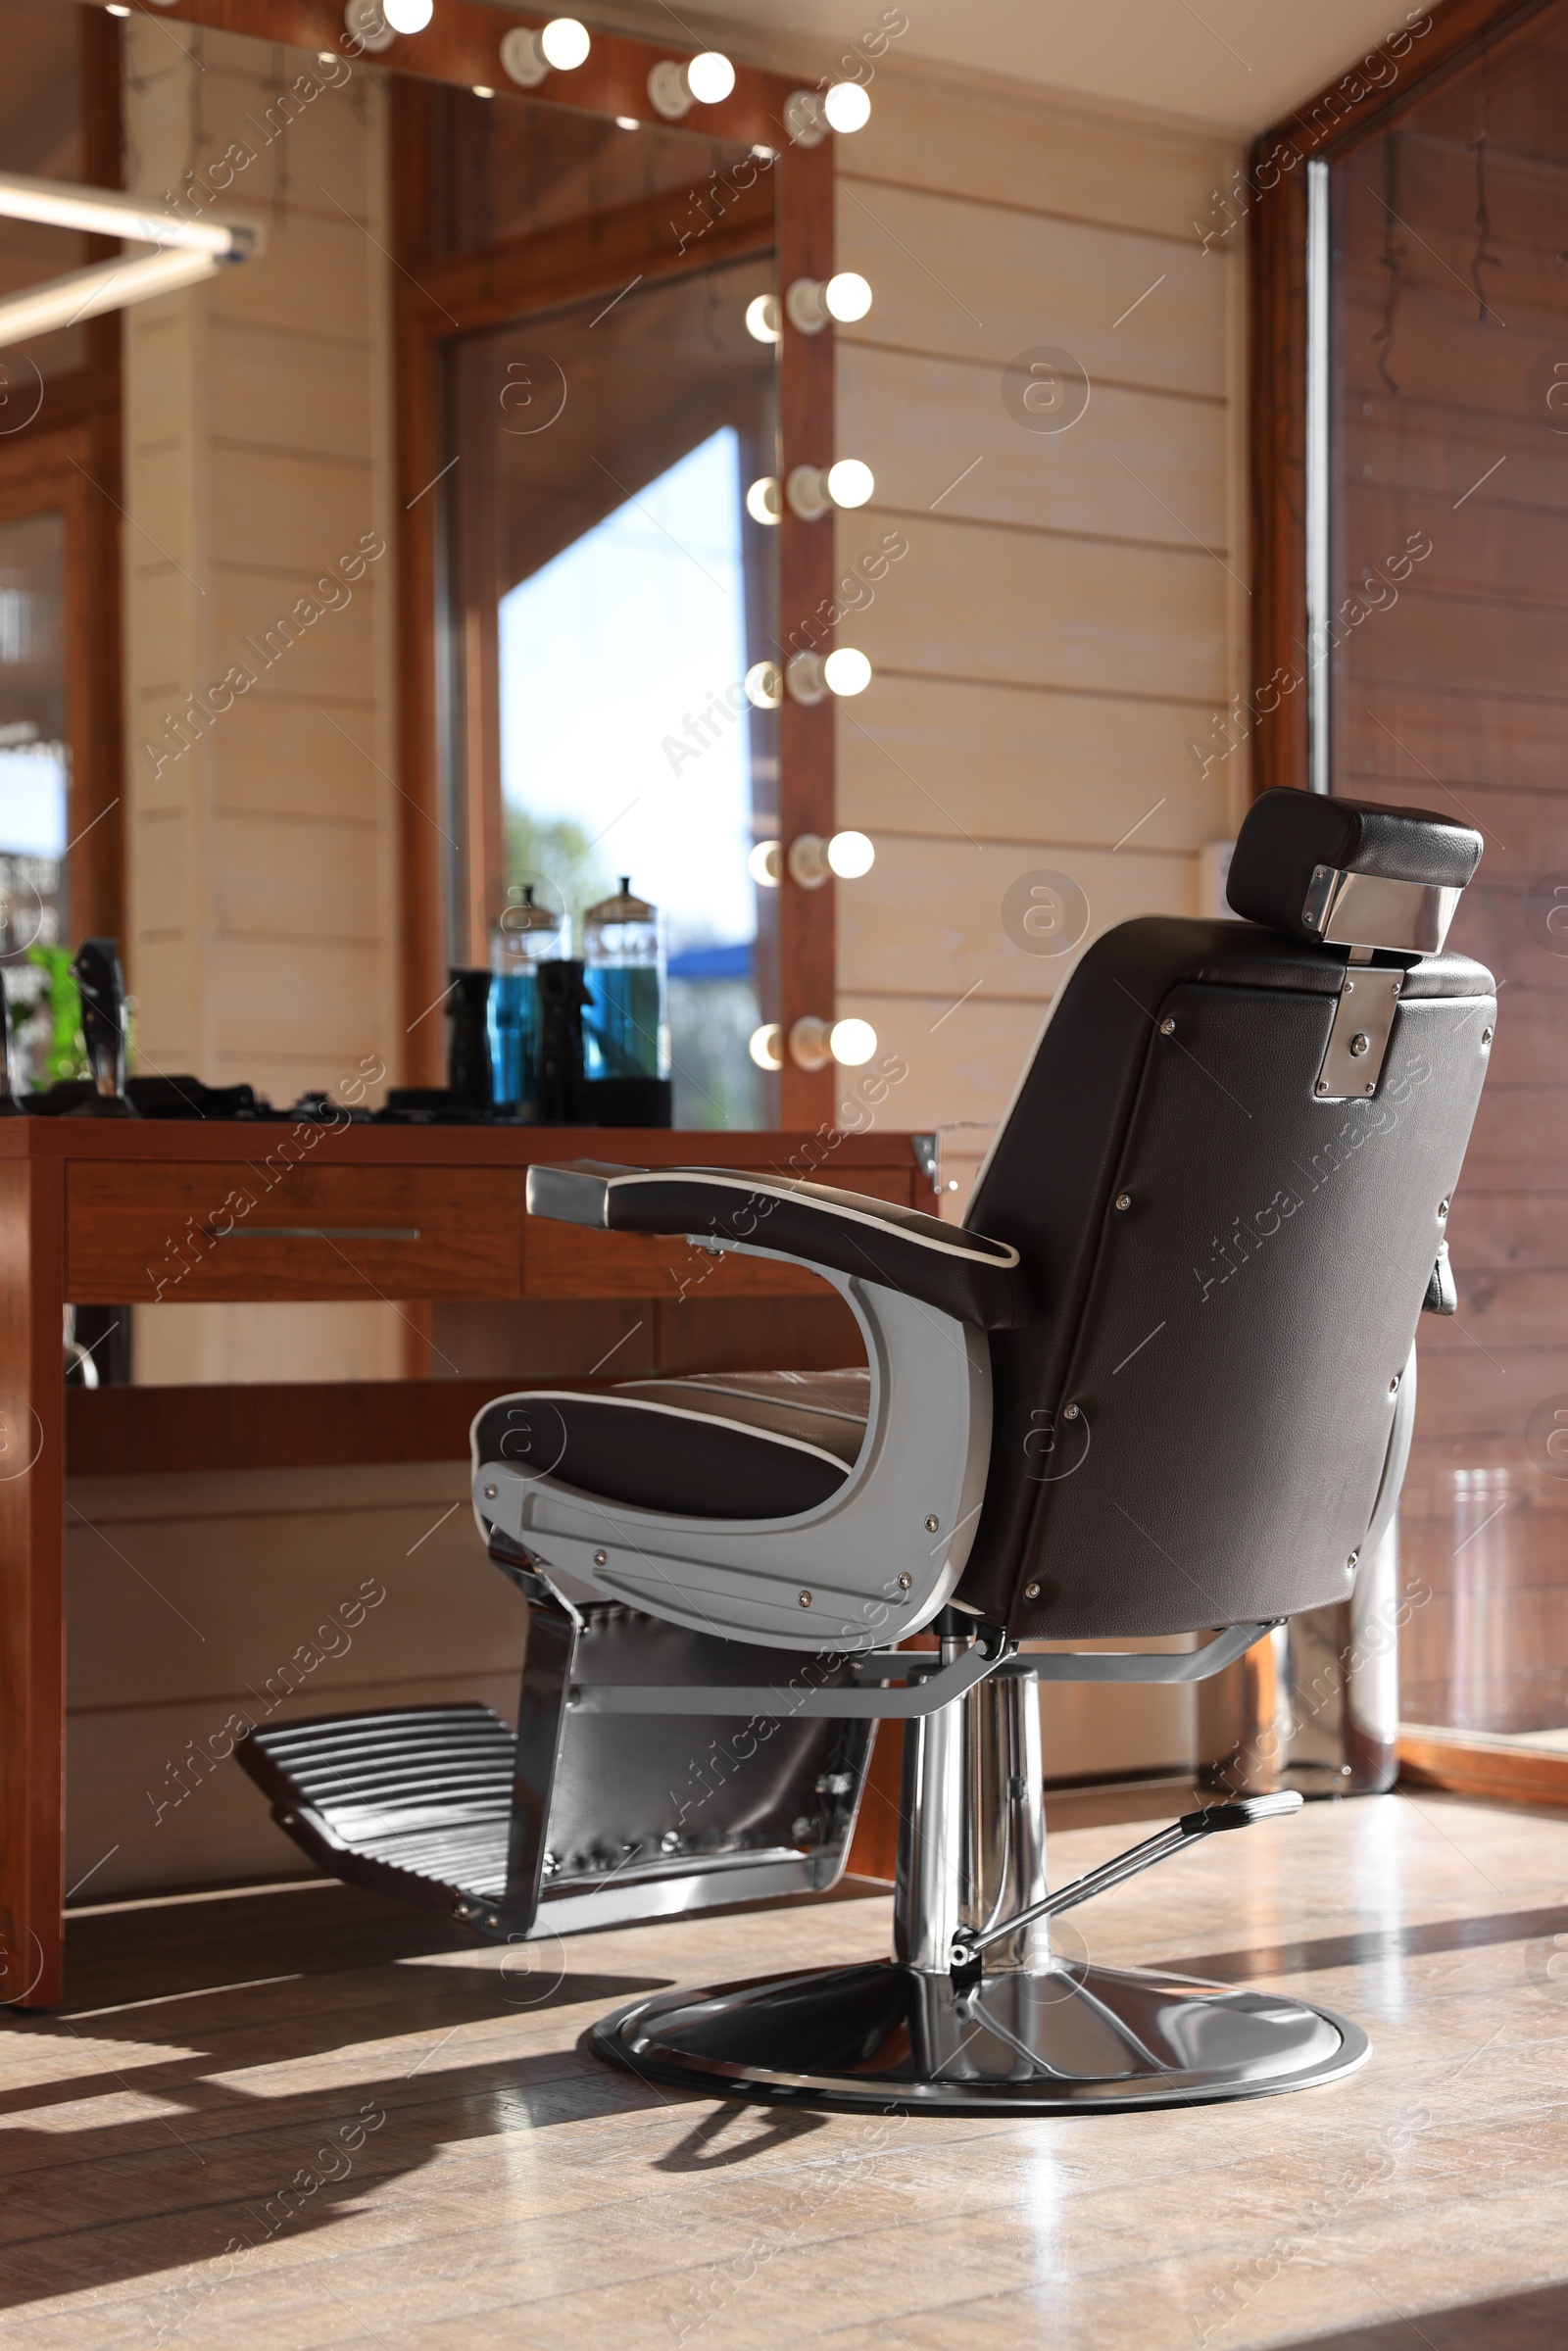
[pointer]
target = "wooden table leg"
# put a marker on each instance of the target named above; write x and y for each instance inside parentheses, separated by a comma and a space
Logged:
(32, 1505)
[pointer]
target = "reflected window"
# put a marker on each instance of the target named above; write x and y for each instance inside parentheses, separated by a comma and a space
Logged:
(609, 591)
(641, 764)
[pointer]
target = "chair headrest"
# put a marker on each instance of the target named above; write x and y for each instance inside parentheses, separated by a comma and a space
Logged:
(1350, 873)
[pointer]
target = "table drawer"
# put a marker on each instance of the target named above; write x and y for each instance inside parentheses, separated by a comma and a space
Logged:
(278, 1227)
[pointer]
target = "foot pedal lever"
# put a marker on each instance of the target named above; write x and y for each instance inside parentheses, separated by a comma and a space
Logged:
(966, 1948)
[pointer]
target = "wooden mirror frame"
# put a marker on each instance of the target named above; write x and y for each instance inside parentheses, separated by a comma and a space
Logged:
(461, 47)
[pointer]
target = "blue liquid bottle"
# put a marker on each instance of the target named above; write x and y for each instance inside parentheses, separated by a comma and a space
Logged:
(626, 1026)
(526, 936)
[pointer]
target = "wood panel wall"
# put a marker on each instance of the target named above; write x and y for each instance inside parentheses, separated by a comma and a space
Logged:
(1448, 340)
(1070, 615)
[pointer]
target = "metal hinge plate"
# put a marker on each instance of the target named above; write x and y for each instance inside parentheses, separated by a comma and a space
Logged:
(1364, 1020)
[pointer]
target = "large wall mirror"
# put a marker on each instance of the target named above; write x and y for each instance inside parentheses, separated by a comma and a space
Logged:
(596, 371)
(411, 565)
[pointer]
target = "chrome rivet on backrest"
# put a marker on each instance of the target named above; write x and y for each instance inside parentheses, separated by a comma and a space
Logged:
(1360, 1042)
(1393, 1385)
(1486, 1036)
(490, 1494)
(1322, 1085)
(1443, 1208)
(932, 1523)
(1031, 1591)
(1069, 1412)
(1167, 1027)
(904, 1582)
(1124, 1201)
(805, 1598)
(601, 1559)
(1350, 1562)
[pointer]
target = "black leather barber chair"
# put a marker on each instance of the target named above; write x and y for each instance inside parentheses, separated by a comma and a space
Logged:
(1160, 1383)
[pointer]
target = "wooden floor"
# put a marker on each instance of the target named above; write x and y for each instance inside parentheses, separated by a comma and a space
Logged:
(478, 2179)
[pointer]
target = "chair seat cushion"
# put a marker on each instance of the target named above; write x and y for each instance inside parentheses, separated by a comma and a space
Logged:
(724, 1444)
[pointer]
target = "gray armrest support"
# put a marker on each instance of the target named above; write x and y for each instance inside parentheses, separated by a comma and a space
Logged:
(956, 1272)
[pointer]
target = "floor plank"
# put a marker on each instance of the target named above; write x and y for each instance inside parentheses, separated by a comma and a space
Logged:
(220, 2052)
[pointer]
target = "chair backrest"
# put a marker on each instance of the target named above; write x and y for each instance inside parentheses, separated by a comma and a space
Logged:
(1227, 1173)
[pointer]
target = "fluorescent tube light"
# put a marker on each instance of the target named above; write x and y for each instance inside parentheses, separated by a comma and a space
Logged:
(186, 252)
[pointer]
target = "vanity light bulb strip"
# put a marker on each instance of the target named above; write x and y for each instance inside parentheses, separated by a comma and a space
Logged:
(807, 678)
(527, 57)
(813, 300)
(810, 115)
(707, 80)
(811, 861)
(814, 1044)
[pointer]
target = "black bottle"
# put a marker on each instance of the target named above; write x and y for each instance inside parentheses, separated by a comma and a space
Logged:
(101, 983)
(469, 1051)
(561, 997)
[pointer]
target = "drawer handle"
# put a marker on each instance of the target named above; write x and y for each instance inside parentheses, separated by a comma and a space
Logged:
(314, 1232)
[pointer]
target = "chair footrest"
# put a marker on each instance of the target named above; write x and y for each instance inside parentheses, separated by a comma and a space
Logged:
(413, 1801)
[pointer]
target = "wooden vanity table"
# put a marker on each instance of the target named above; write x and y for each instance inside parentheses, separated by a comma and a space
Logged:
(147, 1211)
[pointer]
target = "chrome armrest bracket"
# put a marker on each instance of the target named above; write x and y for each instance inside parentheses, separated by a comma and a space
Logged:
(799, 1701)
(1149, 1665)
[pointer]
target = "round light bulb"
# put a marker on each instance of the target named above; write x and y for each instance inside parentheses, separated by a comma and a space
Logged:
(853, 1042)
(763, 500)
(627, 123)
(846, 297)
(767, 1046)
(564, 43)
(847, 106)
(408, 16)
(764, 685)
(850, 855)
(710, 78)
(766, 864)
(849, 483)
(846, 672)
(761, 319)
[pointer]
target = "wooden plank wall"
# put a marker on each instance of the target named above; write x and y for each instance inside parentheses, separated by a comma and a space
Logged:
(1452, 439)
(262, 936)
(1071, 610)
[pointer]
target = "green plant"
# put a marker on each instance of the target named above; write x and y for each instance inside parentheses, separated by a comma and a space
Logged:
(67, 1054)
(556, 852)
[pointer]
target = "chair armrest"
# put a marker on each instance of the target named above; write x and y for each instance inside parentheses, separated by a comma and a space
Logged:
(957, 1272)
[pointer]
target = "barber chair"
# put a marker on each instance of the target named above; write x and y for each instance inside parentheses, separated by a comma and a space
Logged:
(1159, 1382)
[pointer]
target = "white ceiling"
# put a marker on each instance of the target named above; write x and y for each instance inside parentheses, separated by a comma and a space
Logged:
(1238, 64)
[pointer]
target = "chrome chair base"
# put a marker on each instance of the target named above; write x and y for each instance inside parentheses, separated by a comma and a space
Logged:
(1071, 2038)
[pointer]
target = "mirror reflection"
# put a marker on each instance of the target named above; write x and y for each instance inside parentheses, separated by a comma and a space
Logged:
(612, 591)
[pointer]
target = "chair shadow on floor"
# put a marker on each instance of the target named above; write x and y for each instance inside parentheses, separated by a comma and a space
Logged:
(207, 2170)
